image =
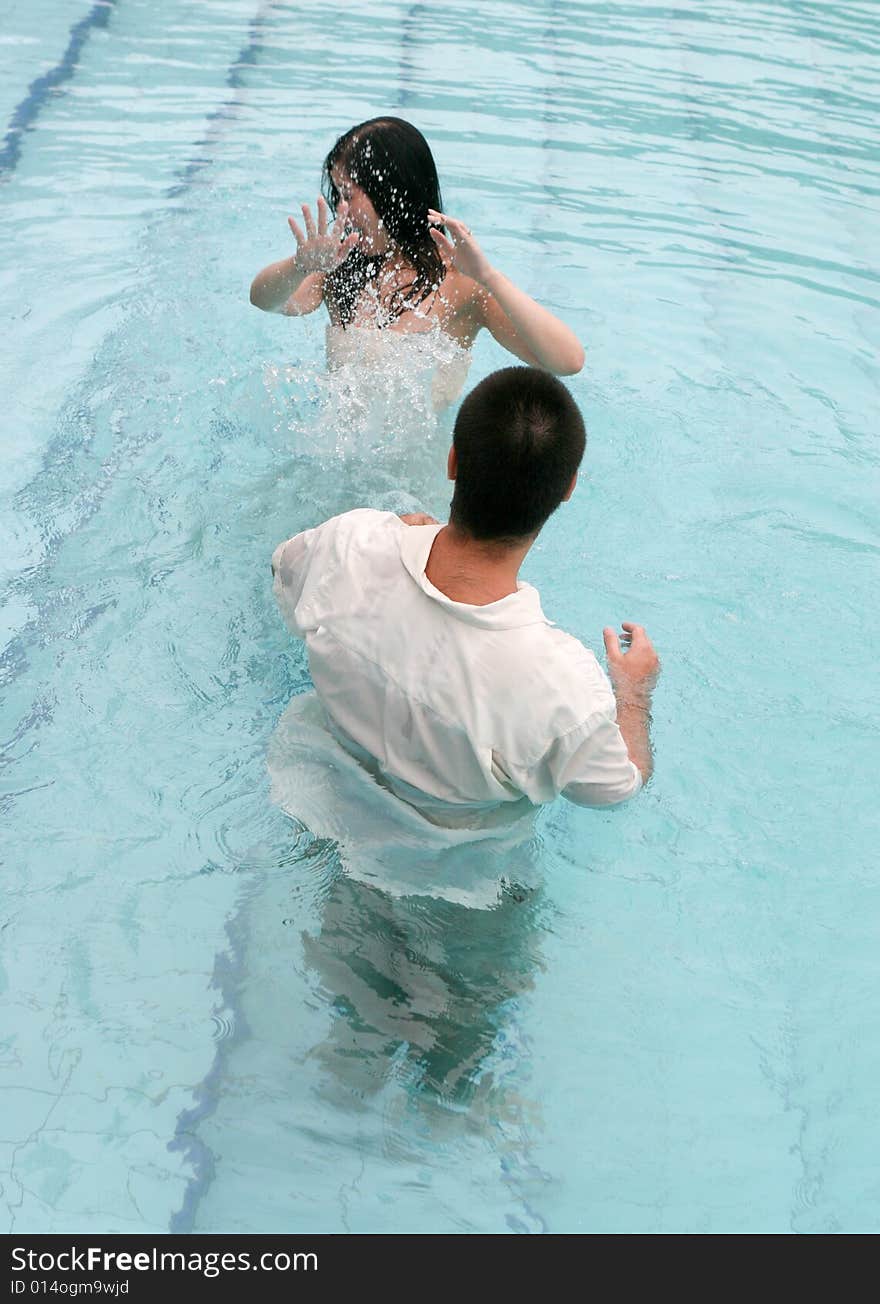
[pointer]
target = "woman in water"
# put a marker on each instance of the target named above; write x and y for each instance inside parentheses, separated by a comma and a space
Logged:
(382, 255)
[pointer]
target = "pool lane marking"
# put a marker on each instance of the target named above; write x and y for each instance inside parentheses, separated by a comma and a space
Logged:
(229, 965)
(227, 979)
(247, 57)
(409, 47)
(26, 113)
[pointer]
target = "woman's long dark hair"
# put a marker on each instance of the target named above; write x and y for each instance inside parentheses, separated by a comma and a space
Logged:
(392, 163)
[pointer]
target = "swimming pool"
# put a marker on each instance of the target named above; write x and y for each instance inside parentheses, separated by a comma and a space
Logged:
(207, 1026)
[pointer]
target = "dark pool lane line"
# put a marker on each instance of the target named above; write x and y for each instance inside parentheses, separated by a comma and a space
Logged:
(227, 980)
(26, 113)
(408, 75)
(229, 964)
(247, 57)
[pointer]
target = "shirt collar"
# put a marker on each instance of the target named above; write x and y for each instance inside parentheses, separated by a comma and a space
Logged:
(520, 608)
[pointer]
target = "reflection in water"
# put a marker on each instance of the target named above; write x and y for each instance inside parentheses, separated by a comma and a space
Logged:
(426, 930)
(421, 944)
(420, 988)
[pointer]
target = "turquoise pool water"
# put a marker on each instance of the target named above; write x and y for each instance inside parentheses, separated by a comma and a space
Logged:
(208, 1025)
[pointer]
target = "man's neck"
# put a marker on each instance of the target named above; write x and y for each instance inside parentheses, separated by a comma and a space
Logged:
(472, 570)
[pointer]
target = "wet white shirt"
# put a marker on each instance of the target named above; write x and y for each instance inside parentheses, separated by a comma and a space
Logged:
(454, 706)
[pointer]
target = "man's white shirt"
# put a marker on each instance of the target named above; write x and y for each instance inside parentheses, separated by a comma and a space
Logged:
(455, 705)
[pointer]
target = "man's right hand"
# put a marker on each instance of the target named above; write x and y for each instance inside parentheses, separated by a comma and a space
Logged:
(633, 676)
(634, 671)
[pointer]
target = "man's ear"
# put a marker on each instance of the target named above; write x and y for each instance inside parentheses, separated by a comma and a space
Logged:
(452, 464)
(571, 487)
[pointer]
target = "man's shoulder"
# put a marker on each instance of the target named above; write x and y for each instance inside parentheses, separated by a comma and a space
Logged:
(363, 527)
(341, 538)
(564, 647)
(366, 519)
(566, 681)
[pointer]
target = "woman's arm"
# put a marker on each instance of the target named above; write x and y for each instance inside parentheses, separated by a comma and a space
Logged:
(305, 299)
(295, 286)
(514, 318)
(273, 287)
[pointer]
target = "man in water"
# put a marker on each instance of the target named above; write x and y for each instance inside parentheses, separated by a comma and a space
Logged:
(435, 664)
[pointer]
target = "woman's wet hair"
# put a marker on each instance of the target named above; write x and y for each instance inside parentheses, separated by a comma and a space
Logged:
(519, 439)
(392, 163)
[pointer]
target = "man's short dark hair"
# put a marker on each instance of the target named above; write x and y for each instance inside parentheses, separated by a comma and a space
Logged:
(519, 438)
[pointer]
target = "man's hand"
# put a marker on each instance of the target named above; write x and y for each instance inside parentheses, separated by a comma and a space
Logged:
(418, 518)
(633, 676)
(633, 672)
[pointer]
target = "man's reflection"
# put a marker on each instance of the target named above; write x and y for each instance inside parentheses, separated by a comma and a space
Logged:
(419, 987)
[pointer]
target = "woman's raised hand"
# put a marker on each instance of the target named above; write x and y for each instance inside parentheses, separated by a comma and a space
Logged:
(320, 250)
(462, 251)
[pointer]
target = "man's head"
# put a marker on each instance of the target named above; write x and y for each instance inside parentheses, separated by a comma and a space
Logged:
(516, 447)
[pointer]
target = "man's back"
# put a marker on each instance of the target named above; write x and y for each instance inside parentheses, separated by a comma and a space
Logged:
(470, 705)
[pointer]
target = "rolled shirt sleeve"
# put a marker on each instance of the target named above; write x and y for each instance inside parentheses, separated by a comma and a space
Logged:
(590, 765)
(599, 772)
(587, 761)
